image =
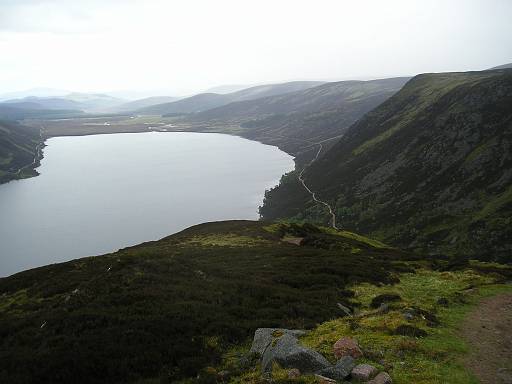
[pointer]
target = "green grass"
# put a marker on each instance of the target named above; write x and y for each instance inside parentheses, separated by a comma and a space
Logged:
(227, 240)
(495, 204)
(478, 150)
(436, 358)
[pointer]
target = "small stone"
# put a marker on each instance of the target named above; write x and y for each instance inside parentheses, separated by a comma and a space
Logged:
(324, 380)
(364, 372)
(347, 346)
(293, 373)
(381, 378)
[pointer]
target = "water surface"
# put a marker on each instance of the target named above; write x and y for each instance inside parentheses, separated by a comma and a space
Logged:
(96, 194)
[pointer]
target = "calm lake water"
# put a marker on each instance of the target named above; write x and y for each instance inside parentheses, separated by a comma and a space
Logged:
(96, 194)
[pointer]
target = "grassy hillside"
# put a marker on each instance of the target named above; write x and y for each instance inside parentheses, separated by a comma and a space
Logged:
(430, 169)
(166, 309)
(18, 150)
(206, 101)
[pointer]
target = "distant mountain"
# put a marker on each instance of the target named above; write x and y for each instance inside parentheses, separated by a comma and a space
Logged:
(73, 101)
(222, 89)
(95, 102)
(31, 110)
(142, 103)
(295, 120)
(504, 66)
(33, 102)
(18, 149)
(205, 101)
(430, 169)
(37, 92)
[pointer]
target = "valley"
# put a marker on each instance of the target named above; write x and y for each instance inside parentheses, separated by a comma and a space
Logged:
(406, 162)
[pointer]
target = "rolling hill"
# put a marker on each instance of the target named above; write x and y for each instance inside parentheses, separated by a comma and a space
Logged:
(429, 169)
(294, 121)
(18, 150)
(143, 103)
(205, 101)
(33, 102)
(163, 310)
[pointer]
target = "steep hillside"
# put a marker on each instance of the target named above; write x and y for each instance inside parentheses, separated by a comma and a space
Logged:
(431, 169)
(19, 150)
(167, 309)
(205, 101)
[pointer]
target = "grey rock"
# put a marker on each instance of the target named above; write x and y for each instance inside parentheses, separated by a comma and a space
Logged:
(282, 346)
(288, 353)
(340, 370)
(346, 311)
(263, 337)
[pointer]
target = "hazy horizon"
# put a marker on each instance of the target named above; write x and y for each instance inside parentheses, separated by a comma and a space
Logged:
(162, 48)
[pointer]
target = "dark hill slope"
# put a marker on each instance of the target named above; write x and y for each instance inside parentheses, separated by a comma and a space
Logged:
(171, 307)
(18, 149)
(205, 101)
(295, 120)
(431, 168)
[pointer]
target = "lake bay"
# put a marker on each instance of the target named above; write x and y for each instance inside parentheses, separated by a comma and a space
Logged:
(96, 194)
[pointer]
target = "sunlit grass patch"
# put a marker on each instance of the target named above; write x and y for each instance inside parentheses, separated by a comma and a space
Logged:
(225, 240)
(435, 358)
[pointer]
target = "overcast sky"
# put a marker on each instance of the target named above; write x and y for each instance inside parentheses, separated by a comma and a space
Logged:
(188, 45)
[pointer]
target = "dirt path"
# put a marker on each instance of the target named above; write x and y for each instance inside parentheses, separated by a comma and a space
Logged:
(313, 194)
(488, 331)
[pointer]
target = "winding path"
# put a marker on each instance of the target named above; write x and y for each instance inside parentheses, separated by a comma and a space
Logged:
(37, 156)
(313, 194)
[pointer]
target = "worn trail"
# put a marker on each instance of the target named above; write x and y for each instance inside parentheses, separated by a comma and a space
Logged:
(487, 330)
(313, 194)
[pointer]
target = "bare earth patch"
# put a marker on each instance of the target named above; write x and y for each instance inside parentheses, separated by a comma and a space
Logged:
(488, 331)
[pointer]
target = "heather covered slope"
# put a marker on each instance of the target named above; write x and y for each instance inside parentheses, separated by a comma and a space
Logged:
(18, 149)
(170, 308)
(430, 168)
